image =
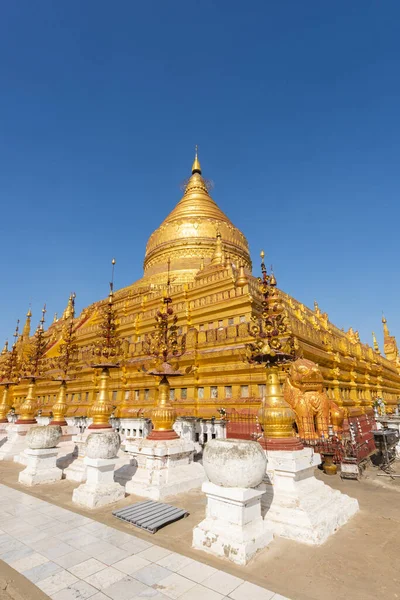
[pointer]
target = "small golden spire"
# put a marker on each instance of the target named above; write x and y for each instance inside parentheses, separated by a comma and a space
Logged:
(27, 327)
(385, 327)
(5, 349)
(196, 168)
(241, 281)
(262, 254)
(70, 310)
(55, 319)
(375, 343)
(218, 256)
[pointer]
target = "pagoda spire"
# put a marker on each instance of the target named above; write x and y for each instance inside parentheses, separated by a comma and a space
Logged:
(70, 307)
(196, 168)
(5, 349)
(375, 343)
(218, 256)
(389, 342)
(241, 280)
(385, 327)
(27, 327)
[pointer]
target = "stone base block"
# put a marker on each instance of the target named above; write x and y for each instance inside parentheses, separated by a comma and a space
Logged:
(76, 470)
(92, 496)
(298, 506)
(41, 467)
(233, 527)
(16, 442)
(100, 488)
(164, 468)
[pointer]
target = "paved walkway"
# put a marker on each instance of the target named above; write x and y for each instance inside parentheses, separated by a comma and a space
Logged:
(69, 557)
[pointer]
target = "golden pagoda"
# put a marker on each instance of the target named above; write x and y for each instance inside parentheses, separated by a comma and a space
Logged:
(206, 260)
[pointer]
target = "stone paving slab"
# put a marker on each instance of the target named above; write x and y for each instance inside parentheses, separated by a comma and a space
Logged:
(70, 556)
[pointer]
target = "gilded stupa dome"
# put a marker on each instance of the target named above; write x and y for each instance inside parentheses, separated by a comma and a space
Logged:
(187, 237)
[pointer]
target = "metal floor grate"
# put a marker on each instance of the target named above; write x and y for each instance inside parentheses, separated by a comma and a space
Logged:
(150, 515)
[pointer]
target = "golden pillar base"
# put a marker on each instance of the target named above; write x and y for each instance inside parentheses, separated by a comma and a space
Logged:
(101, 409)
(60, 407)
(163, 416)
(28, 408)
(5, 404)
(276, 417)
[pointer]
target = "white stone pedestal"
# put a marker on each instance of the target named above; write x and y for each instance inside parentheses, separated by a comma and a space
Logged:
(233, 527)
(298, 506)
(76, 471)
(164, 468)
(41, 467)
(16, 442)
(100, 488)
(3, 433)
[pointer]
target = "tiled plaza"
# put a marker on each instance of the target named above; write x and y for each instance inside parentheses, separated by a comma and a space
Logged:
(70, 556)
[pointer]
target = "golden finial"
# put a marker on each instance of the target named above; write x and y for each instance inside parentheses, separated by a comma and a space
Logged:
(196, 168)
(218, 256)
(70, 310)
(5, 349)
(262, 254)
(272, 279)
(375, 343)
(242, 279)
(55, 318)
(27, 327)
(385, 327)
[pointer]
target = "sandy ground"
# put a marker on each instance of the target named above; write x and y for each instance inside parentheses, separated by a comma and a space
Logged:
(13, 586)
(360, 562)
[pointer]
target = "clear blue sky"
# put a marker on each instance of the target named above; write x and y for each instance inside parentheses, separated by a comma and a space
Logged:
(294, 106)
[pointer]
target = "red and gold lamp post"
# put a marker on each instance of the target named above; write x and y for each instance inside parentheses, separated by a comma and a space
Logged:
(10, 374)
(165, 348)
(106, 352)
(273, 346)
(32, 369)
(65, 362)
